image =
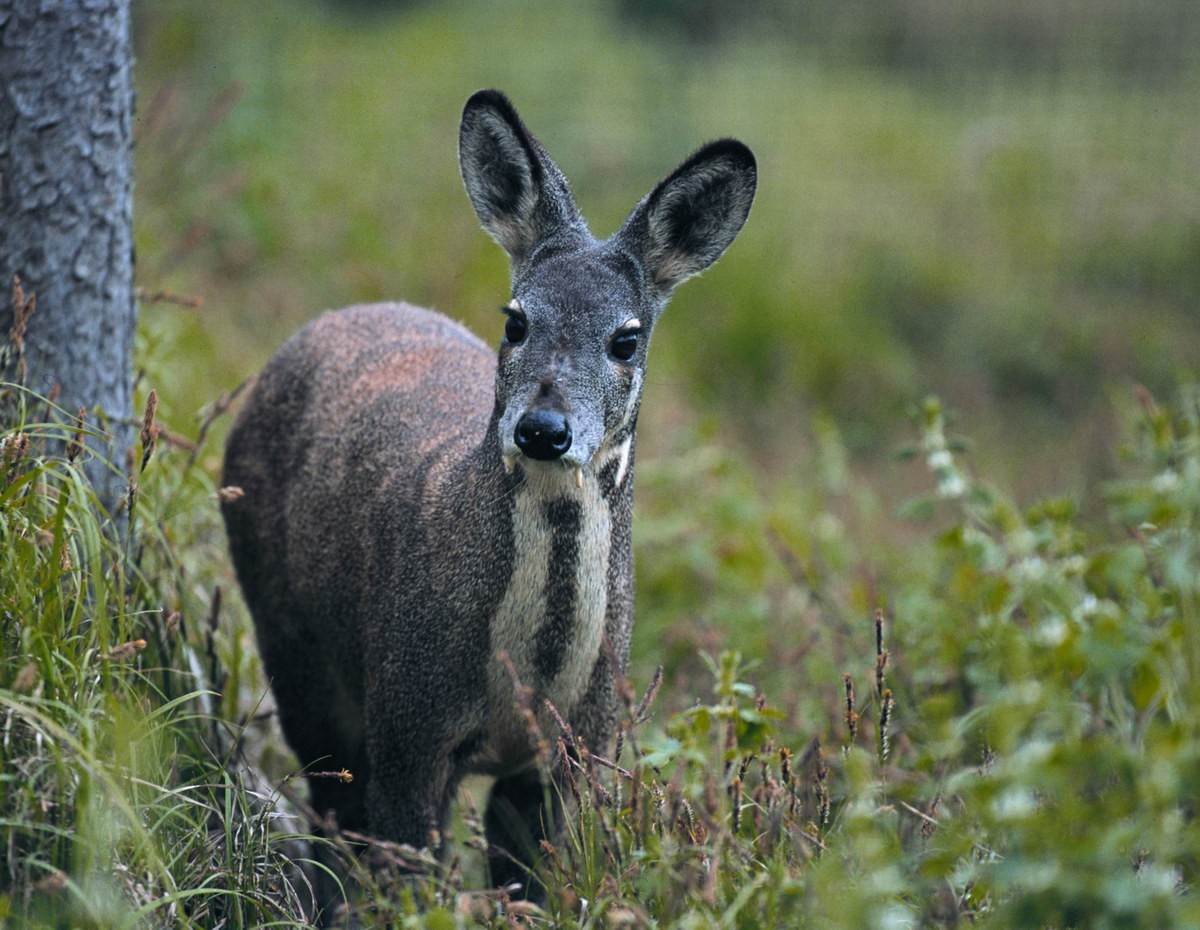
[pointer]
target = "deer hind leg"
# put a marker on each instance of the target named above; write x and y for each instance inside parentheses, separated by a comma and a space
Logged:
(521, 812)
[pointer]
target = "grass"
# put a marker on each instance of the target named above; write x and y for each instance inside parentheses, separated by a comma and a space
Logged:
(1022, 245)
(1008, 741)
(118, 763)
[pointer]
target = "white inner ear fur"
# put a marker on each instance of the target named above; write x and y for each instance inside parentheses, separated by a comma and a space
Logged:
(729, 203)
(496, 143)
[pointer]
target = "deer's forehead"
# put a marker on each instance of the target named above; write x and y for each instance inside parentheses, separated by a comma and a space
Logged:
(586, 288)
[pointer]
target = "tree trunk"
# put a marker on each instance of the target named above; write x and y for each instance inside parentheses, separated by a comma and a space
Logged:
(66, 206)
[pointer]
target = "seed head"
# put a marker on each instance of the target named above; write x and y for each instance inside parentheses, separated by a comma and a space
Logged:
(26, 679)
(851, 714)
(150, 429)
(125, 650)
(78, 442)
(12, 452)
(885, 719)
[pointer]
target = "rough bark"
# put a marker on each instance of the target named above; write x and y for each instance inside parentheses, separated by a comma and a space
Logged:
(66, 202)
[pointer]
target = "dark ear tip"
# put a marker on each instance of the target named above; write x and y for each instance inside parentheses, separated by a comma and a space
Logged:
(490, 99)
(734, 151)
(730, 154)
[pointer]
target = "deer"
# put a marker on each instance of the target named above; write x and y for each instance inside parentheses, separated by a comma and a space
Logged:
(426, 523)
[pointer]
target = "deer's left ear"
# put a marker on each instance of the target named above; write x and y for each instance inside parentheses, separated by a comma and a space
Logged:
(518, 192)
(690, 218)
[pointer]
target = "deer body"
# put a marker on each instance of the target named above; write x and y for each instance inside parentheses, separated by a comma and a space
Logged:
(423, 519)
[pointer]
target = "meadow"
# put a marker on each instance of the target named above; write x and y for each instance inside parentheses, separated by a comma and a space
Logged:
(918, 481)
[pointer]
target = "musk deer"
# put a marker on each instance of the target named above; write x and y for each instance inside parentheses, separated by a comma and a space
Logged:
(423, 519)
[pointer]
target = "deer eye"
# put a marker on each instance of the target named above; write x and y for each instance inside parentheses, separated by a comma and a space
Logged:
(624, 344)
(516, 326)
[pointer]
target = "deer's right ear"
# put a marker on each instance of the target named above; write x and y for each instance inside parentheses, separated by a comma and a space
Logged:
(518, 192)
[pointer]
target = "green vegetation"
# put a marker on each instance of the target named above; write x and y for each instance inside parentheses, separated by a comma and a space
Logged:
(1021, 240)
(1012, 742)
(122, 801)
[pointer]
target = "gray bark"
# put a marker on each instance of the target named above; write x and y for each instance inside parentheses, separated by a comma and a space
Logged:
(66, 205)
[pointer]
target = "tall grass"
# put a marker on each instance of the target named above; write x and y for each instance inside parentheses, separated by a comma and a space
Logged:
(1008, 739)
(122, 799)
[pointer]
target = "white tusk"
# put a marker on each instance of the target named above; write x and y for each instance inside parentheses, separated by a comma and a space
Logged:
(579, 476)
(623, 468)
(510, 462)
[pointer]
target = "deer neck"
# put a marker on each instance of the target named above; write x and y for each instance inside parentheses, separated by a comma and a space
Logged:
(570, 541)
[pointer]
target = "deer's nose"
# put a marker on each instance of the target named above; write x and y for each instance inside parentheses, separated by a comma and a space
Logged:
(543, 434)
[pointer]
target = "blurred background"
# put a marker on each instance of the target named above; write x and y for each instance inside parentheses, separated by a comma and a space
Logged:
(993, 201)
(997, 201)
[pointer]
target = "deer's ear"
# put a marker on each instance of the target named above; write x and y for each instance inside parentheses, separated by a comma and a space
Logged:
(518, 192)
(690, 218)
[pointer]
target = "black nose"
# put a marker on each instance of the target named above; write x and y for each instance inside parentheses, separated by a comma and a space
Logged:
(543, 434)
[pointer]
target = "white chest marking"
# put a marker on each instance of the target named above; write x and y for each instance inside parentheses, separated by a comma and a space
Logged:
(524, 610)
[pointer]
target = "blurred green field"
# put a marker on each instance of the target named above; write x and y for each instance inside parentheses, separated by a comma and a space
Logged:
(1021, 240)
